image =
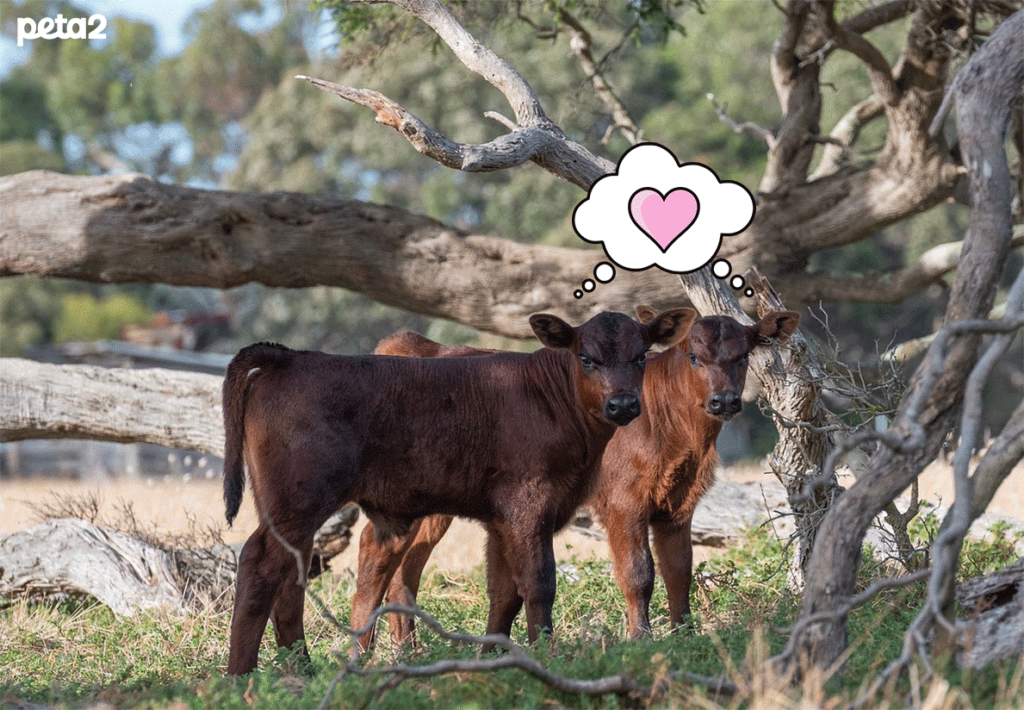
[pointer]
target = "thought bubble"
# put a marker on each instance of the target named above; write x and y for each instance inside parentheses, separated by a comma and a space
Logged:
(603, 272)
(722, 268)
(655, 212)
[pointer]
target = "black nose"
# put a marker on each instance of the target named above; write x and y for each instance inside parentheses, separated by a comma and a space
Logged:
(724, 404)
(622, 408)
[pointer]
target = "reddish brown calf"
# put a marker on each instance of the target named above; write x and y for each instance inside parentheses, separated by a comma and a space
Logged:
(513, 440)
(653, 472)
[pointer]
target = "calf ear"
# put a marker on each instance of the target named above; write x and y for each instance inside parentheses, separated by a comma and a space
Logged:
(670, 327)
(645, 314)
(776, 326)
(552, 330)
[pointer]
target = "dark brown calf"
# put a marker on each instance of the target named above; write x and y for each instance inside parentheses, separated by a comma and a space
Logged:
(653, 472)
(514, 440)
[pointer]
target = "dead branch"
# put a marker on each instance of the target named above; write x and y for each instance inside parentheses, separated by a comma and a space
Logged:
(580, 42)
(69, 557)
(127, 565)
(517, 658)
(507, 151)
(536, 137)
(745, 127)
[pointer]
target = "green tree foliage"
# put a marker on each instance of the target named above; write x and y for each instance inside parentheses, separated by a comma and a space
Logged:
(35, 313)
(21, 154)
(85, 317)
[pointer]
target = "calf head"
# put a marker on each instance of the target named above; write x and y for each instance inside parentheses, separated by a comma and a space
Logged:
(718, 350)
(610, 353)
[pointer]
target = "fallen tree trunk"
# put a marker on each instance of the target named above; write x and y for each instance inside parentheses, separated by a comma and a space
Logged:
(69, 557)
(175, 409)
(182, 410)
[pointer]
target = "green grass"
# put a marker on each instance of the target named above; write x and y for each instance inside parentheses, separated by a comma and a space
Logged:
(76, 654)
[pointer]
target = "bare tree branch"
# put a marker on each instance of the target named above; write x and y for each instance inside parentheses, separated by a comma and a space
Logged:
(891, 286)
(797, 87)
(745, 127)
(517, 658)
(507, 151)
(879, 72)
(580, 43)
(547, 145)
(878, 15)
(845, 133)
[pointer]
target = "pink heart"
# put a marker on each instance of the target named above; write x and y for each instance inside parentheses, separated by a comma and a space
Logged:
(663, 219)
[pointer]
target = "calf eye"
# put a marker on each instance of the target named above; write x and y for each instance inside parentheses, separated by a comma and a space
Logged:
(641, 360)
(693, 360)
(744, 360)
(587, 363)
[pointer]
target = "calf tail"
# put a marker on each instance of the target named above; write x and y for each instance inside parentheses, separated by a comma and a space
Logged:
(242, 370)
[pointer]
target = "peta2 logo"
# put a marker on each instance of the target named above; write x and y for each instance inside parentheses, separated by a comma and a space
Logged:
(61, 28)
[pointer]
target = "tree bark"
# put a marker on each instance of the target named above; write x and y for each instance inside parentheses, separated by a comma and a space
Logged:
(987, 90)
(993, 625)
(131, 228)
(179, 410)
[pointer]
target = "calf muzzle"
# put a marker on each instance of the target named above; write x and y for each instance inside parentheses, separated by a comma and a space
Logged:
(724, 404)
(622, 408)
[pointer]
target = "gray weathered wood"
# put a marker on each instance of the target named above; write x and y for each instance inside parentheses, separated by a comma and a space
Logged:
(131, 228)
(992, 624)
(175, 409)
(71, 557)
(68, 557)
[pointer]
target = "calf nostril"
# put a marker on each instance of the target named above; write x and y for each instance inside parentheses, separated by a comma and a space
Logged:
(622, 407)
(725, 403)
(633, 408)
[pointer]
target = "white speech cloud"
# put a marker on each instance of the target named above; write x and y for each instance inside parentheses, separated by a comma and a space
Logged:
(655, 212)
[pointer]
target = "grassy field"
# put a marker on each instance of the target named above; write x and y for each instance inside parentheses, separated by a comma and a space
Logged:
(77, 654)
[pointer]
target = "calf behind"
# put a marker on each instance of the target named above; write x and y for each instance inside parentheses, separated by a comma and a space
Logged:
(513, 440)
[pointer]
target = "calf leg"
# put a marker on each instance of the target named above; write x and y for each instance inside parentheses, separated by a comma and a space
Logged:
(286, 614)
(502, 591)
(263, 568)
(405, 583)
(674, 548)
(633, 566)
(378, 560)
(530, 555)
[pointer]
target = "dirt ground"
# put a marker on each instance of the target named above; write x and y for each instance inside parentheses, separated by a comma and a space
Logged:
(171, 503)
